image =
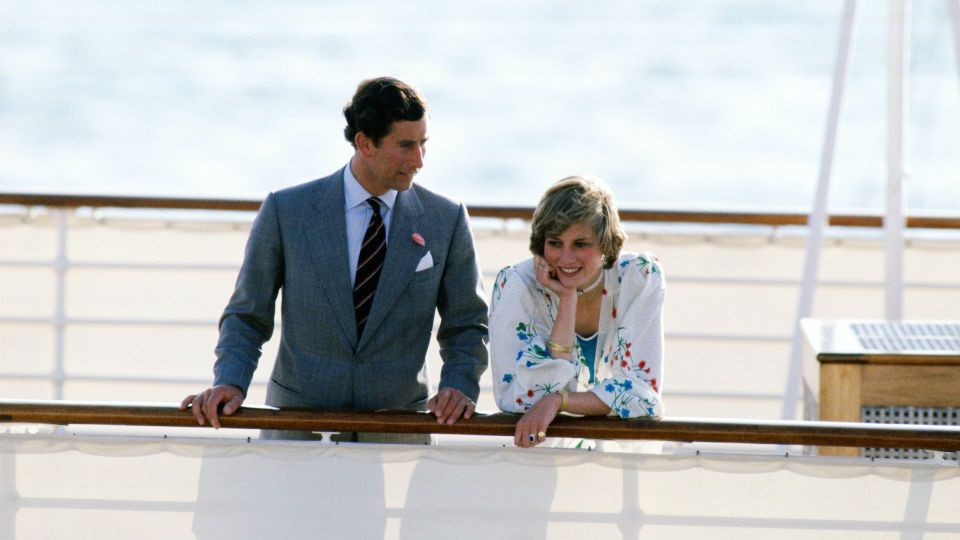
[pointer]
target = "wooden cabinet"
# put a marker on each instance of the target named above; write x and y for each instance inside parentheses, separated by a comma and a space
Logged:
(852, 364)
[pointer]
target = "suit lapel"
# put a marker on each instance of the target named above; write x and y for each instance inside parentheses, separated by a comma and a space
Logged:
(326, 231)
(403, 255)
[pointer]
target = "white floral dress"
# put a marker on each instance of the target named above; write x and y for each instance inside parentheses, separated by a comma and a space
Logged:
(629, 356)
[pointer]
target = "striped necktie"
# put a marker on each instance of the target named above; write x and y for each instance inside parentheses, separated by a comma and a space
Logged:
(372, 253)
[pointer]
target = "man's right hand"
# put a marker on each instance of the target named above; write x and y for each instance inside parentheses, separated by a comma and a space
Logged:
(206, 403)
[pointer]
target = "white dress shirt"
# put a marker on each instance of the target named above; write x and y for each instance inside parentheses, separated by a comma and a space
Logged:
(358, 213)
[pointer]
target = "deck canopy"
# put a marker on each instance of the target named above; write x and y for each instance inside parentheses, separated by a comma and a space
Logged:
(64, 481)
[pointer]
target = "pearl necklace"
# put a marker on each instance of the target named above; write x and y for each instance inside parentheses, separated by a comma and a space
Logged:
(581, 292)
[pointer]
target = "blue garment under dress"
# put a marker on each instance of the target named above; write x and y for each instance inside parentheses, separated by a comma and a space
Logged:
(588, 347)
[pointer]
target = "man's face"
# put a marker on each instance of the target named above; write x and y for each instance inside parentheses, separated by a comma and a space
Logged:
(398, 158)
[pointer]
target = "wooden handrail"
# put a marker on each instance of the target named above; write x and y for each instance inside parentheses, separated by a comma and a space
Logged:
(104, 201)
(502, 212)
(945, 438)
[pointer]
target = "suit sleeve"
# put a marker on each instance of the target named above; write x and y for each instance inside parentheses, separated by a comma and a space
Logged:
(248, 320)
(462, 335)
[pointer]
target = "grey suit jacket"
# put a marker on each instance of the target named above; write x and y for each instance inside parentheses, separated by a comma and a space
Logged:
(298, 246)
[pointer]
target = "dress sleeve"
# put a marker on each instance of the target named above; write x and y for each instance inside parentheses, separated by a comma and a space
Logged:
(521, 318)
(635, 353)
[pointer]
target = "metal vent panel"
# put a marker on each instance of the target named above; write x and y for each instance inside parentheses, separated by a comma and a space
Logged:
(930, 416)
(916, 337)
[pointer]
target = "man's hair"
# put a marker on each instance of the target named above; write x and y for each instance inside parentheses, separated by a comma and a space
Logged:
(377, 104)
(578, 199)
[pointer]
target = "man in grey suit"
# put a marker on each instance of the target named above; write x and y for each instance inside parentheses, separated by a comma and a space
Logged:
(357, 316)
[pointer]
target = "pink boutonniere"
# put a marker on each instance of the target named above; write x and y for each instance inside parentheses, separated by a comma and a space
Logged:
(419, 239)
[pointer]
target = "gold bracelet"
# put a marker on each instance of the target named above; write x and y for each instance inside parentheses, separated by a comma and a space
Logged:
(563, 394)
(558, 348)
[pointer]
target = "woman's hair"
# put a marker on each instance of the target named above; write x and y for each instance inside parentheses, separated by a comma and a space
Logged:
(579, 199)
(377, 104)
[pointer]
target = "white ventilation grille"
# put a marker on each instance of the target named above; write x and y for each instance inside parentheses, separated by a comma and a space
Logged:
(912, 337)
(930, 416)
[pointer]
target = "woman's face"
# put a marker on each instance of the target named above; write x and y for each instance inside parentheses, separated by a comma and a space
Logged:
(575, 254)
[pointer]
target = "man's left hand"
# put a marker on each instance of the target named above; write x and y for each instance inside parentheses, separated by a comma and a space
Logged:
(449, 405)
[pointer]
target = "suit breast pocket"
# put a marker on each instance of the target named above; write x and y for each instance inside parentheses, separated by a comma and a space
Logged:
(424, 276)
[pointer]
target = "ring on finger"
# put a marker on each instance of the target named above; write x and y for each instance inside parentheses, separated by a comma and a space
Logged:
(532, 438)
(541, 435)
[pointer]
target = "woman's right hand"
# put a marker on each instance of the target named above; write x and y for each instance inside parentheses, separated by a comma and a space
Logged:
(562, 332)
(546, 275)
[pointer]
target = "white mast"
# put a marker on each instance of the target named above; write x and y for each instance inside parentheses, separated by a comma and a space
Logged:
(899, 92)
(817, 221)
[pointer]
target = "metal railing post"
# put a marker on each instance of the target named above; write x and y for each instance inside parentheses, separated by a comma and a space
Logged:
(60, 265)
(953, 6)
(894, 223)
(8, 491)
(819, 218)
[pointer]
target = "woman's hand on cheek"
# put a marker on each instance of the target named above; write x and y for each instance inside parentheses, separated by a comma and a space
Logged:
(547, 276)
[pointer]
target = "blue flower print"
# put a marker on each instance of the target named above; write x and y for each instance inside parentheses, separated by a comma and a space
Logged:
(627, 385)
(625, 413)
(508, 378)
(609, 388)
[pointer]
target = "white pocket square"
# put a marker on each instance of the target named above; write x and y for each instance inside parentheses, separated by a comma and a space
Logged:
(425, 263)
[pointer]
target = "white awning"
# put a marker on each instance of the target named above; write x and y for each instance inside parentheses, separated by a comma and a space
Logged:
(97, 487)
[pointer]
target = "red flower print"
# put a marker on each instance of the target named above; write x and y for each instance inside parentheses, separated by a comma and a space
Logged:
(628, 353)
(653, 382)
(623, 363)
(629, 343)
(604, 291)
(519, 401)
(547, 295)
(614, 313)
(529, 393)
(642, 364)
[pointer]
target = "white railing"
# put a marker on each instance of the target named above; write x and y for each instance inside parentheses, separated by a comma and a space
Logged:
(685, 332)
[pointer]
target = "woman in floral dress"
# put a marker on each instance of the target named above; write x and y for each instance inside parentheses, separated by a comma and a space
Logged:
(577, 327)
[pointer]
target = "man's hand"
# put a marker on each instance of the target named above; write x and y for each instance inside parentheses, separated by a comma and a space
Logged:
(206, 403)
(449, 405)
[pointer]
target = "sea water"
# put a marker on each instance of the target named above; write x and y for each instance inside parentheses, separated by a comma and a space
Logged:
(694, 104)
